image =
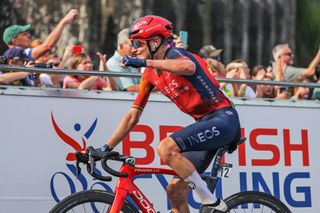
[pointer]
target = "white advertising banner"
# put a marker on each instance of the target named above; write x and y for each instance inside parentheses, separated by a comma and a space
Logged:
(40, 134)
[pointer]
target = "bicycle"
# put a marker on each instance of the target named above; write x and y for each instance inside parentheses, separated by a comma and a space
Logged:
(102, 201)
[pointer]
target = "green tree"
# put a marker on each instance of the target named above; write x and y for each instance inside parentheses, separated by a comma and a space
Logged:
(307, 30)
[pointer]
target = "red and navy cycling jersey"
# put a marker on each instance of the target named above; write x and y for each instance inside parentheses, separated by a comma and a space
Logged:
(196, 95)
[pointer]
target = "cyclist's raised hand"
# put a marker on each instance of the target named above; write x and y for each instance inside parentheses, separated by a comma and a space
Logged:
(133, 62)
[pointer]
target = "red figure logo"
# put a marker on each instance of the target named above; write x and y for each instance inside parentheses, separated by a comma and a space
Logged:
(73, 143)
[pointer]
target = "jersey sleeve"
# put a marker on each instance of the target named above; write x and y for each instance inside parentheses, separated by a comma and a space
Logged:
(145, 89)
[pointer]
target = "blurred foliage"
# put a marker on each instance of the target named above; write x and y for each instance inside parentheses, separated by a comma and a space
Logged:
(245, 29)
(307, 30)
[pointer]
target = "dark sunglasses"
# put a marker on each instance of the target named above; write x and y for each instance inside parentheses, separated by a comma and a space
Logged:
(288, 54)
(136, 43)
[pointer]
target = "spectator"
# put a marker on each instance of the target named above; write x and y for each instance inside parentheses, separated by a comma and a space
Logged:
(215, 67)
(232, 72)
(264, 90)
(63, 64)
(123, 48)
(43, 58)
(51, 80)
(82, 61)
(283, 61)
(40, 60)
(258, 72)
(238, 69)
(245, 73)
(19, 36)
(301, 92)
(316, 91)
(208, 52)
(17, 57)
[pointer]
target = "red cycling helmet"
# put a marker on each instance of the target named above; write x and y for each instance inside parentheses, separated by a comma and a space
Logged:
(148, 26)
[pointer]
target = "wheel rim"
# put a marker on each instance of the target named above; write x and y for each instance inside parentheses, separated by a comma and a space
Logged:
(252, 208)
(92, 207)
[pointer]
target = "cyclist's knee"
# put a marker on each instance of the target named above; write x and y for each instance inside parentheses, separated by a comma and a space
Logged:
(166, 149)
(177, 192)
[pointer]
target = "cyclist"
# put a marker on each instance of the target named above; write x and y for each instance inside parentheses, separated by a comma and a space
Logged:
(184, 78)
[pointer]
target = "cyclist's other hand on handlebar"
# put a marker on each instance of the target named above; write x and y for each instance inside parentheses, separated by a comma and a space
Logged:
(103, 149)
(133, 62)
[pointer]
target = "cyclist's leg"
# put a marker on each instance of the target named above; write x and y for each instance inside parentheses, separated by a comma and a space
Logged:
(178, 189)
(221, 128)
(170, 154)
(214, 131)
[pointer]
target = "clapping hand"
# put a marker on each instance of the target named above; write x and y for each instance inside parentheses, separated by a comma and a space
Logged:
(103, 60)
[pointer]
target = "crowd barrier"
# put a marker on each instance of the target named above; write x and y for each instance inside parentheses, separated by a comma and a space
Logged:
(5, 67)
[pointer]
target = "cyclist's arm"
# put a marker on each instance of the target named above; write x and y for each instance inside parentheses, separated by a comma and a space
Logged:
(177, 66)
(130, 119)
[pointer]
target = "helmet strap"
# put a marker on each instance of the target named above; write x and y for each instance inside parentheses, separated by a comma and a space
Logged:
(153, 52)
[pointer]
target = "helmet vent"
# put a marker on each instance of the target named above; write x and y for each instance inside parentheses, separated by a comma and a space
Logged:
(169, 27)
(150, 21)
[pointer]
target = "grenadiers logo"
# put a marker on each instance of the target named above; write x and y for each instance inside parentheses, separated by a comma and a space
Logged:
(70, 179)
(72, 142)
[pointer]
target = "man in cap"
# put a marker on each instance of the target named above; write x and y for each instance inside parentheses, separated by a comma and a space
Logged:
(209, 51)
(16, 56)
(19, 36)
(212, 55)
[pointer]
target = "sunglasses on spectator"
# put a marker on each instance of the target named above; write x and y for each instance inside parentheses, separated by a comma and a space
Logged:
(288, 54)
(217, 57)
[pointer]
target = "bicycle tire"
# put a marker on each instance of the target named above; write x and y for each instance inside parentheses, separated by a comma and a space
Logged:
(256, 201)
(96, 201)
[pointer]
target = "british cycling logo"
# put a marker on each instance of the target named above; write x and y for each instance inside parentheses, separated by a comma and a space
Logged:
(76, 146)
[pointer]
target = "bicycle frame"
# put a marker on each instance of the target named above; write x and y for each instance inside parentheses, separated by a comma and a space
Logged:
(126, 186)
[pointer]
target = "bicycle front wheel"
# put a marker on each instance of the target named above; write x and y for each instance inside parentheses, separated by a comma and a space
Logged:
(253, 201)
(93, 201)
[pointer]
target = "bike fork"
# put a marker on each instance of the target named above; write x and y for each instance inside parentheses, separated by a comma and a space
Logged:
(120, 196)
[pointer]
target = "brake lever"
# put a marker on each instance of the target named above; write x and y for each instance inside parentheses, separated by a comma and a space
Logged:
(78, 171)
(92, 163)
(79, 158)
